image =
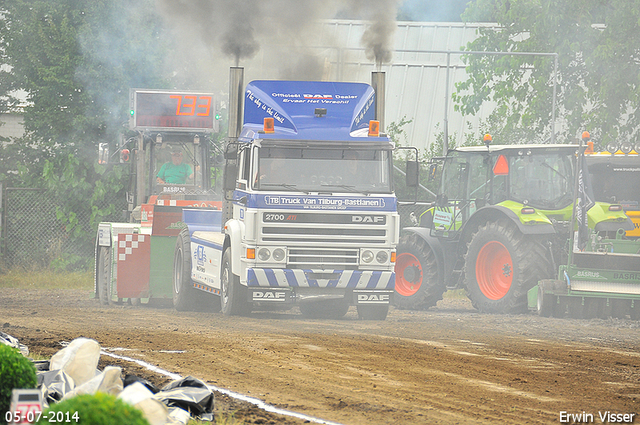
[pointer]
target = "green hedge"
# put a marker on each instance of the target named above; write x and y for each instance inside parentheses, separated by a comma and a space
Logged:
(16, 371)
(93, 409)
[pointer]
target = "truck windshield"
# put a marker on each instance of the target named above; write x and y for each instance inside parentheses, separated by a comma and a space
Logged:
(542, 180)
(322, 170)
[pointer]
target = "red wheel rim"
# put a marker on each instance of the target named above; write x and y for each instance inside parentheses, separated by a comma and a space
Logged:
(403, 286)
(494, 270)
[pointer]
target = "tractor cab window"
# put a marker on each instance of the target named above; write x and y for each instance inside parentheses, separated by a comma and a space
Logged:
(542, 180)
(454, 177)
(466, 177)
(479, 178)
(176, 167)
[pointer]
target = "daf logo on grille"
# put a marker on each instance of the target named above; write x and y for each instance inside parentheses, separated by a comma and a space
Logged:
(367, 219)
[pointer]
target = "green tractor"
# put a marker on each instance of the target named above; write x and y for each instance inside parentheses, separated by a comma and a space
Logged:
(500, 224)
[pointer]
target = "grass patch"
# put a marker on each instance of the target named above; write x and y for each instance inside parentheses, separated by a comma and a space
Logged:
(455, 294)
(46, 279)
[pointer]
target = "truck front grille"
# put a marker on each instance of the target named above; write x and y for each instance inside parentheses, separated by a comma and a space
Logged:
(325, 234)
(323, 258)
(322, 240)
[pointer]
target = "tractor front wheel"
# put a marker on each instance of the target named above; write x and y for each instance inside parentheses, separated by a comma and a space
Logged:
(501, 265)
(418, 285)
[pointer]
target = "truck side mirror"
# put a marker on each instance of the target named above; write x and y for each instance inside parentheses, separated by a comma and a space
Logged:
(231, 151)
(413, 174)
(230, 174)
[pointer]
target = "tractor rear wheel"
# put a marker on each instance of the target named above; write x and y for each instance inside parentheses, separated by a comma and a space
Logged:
(501, 265)
(418, 285)
(103, 275)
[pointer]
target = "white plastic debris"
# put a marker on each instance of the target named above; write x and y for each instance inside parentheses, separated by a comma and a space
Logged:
(13, 342)
(178, 416)
(139, 396)
(79, 360)
(108, 381)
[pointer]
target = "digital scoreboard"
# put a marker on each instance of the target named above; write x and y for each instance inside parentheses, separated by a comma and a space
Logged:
(163, 110)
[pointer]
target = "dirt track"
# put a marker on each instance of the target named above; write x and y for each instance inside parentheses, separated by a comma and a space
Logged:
(448, 365)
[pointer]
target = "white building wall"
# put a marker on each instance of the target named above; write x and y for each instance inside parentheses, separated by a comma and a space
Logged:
(11, 125)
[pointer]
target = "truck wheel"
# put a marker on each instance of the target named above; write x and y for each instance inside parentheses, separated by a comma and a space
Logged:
(501, 265)
(233, 296)
(418, 285)
(103, 275)
(325, 309)
(184, 295)
(373, 312)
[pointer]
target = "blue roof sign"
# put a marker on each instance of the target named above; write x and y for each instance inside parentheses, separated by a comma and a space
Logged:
(294, 105)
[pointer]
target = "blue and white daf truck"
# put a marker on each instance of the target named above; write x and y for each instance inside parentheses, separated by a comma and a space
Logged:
(309, 216)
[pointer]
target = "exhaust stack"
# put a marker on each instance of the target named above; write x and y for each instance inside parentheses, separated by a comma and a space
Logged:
(236, 87)
(378, 84)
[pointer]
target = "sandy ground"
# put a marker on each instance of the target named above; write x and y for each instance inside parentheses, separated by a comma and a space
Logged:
(448, 365)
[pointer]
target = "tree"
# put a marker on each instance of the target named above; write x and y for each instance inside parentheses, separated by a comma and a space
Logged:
(598, 78)
(76, 61)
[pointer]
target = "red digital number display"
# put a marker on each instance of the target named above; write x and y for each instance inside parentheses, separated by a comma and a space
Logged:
(166, 111)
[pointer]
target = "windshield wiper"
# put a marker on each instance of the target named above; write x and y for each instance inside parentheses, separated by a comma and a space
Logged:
(349, 188)
(554, 170)
(285, 185)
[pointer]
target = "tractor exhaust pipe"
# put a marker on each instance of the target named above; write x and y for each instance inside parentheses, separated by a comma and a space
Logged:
(236, 83)
(378, 84)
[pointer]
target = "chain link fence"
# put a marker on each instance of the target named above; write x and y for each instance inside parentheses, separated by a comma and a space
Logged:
(405, 210)
(32, 235)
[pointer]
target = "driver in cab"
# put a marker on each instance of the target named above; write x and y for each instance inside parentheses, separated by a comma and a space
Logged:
(175, 172)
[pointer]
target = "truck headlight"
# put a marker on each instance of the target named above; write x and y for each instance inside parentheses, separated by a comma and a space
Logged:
(264, 254)
(382, 257)
(366, 256)
(278, 254)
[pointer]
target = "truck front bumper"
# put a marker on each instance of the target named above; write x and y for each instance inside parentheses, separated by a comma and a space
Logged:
(287, 286)
(338, 279)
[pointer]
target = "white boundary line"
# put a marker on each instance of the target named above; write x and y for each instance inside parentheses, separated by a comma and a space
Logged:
(257, 402)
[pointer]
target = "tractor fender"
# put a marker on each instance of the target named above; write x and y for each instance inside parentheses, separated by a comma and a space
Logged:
(234, 231)
(434, 243)
(611, 226)
(494, 212)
